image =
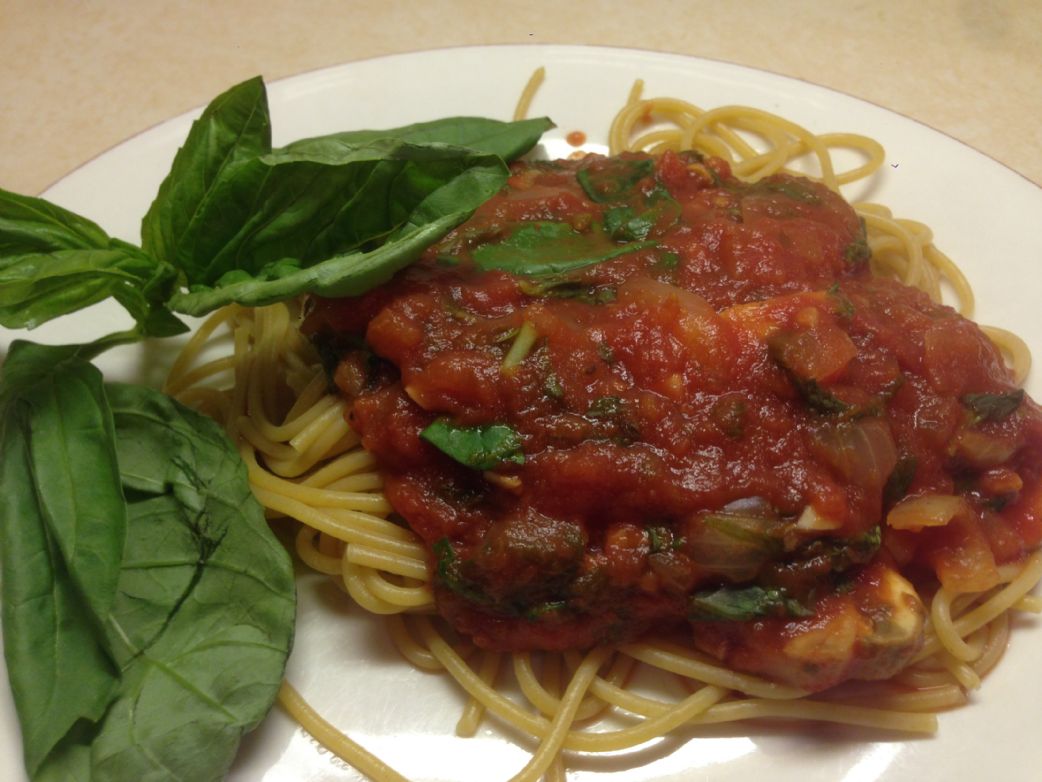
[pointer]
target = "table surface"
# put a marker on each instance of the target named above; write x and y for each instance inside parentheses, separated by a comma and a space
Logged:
(79, 77)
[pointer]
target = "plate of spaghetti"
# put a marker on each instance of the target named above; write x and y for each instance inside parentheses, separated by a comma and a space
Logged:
(681, 453)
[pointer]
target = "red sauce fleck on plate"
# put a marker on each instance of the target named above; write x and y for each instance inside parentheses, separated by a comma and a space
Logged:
(576, 138)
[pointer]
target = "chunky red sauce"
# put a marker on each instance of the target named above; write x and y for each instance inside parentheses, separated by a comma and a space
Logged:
(697, 408)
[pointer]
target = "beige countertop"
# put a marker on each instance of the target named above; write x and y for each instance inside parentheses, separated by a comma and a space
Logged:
(79, 77)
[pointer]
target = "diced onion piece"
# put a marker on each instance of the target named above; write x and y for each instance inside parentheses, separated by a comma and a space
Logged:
(983, 450)
(815, 354)
(416, 395)
(511, 483)
(862, 452)
(521, 347)
(931, 510)
(731, 545)
(812, 521)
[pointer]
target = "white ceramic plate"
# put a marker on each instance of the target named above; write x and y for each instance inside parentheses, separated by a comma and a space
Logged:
(984, 215)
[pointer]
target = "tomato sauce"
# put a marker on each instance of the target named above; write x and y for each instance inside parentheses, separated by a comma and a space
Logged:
(635, 393)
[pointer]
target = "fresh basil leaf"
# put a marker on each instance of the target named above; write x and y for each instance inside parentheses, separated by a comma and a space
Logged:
(539, 248)
(285, 227)
(62, 528)
(147, 606)
(28, 365)
(347, 275)
(233, 129)
(993, 407)
(742, 604)
(54, 262)
(37, 287)
(310, 208)
(508, 140)
(33, 225)
(71, 427)
(203, 619)
(480, 447)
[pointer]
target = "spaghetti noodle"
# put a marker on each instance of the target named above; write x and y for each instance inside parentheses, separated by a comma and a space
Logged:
(252, 370)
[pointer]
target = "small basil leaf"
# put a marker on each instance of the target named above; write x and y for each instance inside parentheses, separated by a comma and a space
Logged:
(540, 248)
(733, 604)
(993, 407)
(480, 447)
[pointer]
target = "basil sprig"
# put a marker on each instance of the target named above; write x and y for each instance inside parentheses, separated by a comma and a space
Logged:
(148, 609)
(236, 220)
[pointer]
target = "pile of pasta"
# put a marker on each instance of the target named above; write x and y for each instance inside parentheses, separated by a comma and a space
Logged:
(253, 371)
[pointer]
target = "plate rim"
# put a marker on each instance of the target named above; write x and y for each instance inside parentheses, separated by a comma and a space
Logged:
(630, 51)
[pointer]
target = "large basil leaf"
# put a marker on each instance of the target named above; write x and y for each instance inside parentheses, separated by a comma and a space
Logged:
(234, 128)
(148, 609)
(203, 620)
(333, 215)
(236, 221)
(298, 233)
(62, 527)
(310, 207)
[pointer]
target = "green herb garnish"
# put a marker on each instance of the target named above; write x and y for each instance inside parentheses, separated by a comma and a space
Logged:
(479, 447)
